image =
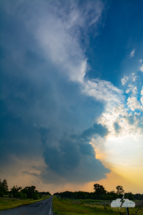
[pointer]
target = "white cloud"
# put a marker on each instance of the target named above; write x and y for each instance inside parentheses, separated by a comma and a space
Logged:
(134, 78)
(115, 114)
(124, 80)
(142, 96)
(140, 61)
(103, 91)
(133, 104)
(63, 49)
(127, 121)
(134, 90)
(141, 68)
(132, 53)
(141, 100)
(142, 91)
(58, 37)
(131, 88)
(128, 90)
(58, 34)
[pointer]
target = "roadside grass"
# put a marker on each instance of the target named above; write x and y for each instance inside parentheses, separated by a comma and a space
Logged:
(8, 203)
(89, 207)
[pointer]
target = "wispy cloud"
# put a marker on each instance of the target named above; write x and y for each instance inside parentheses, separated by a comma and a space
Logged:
(133, 104)
(134, 78)
(132, 53)
(141, 68)
(124, 80)
(131, 88)
(142, 96)
(103, 91)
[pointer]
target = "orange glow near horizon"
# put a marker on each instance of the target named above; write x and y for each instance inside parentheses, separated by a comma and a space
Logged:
(127, 173)
(113, 179)
(130, 177)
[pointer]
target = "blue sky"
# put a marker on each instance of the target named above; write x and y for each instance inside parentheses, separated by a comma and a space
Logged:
(71, 86)
(120, 33)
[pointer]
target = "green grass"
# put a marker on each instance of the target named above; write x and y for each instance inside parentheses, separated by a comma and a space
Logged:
(8, 203)
(76, 207)
(70, 207)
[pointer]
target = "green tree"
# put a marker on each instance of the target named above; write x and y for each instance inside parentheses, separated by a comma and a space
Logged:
(119, 190)
(99, 190)
(129, 196)
(3, 187)
(112, 195)
(36, 195)
(15, 191)
(29, 191)
(24, 195)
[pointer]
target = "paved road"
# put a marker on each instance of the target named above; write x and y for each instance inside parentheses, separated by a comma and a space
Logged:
(43, 207)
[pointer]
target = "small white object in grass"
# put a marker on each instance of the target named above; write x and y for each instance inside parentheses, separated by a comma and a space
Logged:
(124, 203)
(116, 203)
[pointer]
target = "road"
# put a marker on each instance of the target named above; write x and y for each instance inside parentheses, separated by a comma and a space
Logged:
(43, 207)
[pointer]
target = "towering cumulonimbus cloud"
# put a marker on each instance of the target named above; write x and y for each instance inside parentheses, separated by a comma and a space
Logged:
(49, 108)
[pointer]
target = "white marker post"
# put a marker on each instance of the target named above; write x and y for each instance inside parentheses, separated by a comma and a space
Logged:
(124, 203)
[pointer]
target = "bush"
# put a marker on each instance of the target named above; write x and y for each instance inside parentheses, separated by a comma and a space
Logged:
(36, 195)
(24, 196)
(1, 193)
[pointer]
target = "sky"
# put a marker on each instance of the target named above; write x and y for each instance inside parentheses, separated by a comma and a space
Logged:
(71, 94)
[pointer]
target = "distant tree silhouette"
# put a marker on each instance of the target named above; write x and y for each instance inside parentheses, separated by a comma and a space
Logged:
(129, 196)
(112, 195)
(119, 190)
(3, 187)
(36, 195)
(99, 190)
(15, 191)
(44, 193)
(31, 192)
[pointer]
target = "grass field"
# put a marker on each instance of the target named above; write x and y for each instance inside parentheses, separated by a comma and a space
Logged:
(89, 207)
(7, 203)
(71, 207)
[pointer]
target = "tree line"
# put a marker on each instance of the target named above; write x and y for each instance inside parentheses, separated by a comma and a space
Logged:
(100, 194)
(29, 192)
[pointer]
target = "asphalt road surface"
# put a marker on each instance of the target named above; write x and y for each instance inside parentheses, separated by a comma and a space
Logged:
(43, 207)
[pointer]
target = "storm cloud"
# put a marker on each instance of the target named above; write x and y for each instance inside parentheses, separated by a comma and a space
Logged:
(44, 112)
